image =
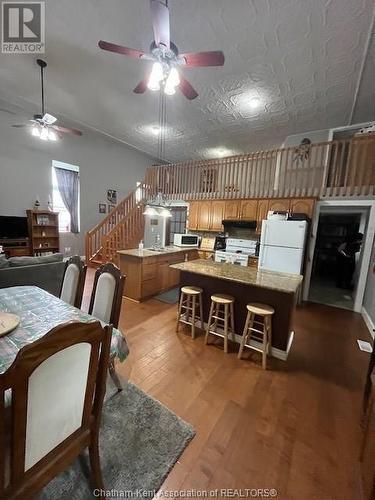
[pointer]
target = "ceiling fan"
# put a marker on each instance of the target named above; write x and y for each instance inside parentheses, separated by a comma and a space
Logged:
(166, 57)
(44, 125)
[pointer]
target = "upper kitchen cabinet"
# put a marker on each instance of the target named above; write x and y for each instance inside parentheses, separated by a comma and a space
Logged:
(303, 206)
(193, 214)
(279, 204)
(217, 215)
(232, 210)
(204, 216)
(249, 209)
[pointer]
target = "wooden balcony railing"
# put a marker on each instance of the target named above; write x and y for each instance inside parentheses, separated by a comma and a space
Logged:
(328, 169)
(336, 168)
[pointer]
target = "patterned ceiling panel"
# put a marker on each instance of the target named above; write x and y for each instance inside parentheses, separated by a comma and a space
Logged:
(300, 59)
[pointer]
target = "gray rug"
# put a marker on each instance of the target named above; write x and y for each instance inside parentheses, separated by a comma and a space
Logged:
(169, 297)
(140, 441)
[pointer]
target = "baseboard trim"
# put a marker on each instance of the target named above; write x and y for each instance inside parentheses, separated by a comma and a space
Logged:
(275, 352)
(369, 323)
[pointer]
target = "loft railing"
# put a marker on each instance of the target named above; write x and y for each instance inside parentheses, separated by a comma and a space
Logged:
(328, 169)
(335, 168)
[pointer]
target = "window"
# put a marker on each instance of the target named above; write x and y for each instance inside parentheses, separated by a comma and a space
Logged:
(177, 221)
(57, 202)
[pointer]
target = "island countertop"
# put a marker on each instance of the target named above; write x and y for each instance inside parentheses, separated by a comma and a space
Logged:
(147, 252)
(281, 282)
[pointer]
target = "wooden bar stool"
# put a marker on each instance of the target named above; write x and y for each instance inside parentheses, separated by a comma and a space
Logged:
(188, 302)
(226, 301)
(262, 334)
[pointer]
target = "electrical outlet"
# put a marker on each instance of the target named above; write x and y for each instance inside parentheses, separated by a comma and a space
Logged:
(67, 250)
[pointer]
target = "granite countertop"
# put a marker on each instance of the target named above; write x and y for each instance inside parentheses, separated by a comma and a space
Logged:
(147, 252)
(282, 282)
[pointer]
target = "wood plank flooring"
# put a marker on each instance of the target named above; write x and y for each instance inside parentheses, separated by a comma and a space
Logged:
(294, 427)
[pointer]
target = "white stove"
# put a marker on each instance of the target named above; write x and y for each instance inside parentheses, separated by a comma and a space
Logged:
(237, 252)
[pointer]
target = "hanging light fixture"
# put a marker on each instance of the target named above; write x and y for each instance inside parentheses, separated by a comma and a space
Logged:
(158, 206)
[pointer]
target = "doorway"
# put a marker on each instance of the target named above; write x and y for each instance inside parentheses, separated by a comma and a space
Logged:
(331, 282)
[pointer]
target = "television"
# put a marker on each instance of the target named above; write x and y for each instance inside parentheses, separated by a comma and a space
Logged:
(12, 227)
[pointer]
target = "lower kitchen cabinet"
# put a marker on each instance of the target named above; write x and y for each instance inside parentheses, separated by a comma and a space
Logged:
(148, 275)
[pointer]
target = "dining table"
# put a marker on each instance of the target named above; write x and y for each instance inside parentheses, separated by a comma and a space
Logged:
(39, 312)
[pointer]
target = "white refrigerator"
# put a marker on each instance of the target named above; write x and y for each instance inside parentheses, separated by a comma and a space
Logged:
(282, 246)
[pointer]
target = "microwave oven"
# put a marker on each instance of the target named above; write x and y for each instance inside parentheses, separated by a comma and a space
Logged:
(186, 240)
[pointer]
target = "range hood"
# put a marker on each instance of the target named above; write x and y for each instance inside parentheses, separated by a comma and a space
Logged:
(240, 224)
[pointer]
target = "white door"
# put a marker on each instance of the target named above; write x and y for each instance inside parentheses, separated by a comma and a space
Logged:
(281, 259)
(283, 233)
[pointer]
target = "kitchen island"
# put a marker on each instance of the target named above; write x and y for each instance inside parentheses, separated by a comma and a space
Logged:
(148, 271)
(247, 284)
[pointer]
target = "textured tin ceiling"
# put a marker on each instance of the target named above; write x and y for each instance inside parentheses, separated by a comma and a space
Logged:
(304, 60)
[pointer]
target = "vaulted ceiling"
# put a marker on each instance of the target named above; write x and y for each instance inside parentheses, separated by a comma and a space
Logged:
(311, 63)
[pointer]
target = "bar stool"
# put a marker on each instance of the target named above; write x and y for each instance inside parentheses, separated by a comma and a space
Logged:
(188, 302)
(263, 333)
(226, 301)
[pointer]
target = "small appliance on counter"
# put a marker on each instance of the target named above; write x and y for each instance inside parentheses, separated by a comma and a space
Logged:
(282, 244)
(237, 252)
(186, 240)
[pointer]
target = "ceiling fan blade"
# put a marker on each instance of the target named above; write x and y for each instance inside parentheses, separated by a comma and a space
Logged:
(160, 22)
(22, 125)
(119, 49)
(187, 89)
(66, 130)
(141, 87)
(213, 58)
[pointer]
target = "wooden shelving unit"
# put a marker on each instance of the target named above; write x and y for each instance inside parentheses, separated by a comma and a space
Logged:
(43, 231)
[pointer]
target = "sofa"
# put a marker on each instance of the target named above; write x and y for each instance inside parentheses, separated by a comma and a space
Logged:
(45, 272)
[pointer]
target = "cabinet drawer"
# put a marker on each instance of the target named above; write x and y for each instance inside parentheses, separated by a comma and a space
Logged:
(150, 287)
(149, 271)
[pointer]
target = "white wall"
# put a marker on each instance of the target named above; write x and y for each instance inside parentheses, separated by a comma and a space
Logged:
(25, 172)
(313, 135)
(369, 298)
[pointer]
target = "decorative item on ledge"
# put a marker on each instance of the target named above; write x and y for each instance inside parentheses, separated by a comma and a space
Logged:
(43, 231)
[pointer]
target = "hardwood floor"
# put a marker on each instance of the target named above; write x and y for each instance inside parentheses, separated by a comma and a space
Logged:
(294, 427)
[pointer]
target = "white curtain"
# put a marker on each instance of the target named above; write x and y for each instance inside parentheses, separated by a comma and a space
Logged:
(68, 184)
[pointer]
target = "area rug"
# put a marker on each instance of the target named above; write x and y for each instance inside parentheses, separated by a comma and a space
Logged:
(169, 297)
(140, 441)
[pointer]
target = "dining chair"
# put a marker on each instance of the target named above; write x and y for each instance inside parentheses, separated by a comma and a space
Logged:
(106, 296)
(105, 303)
(73, 281)
(58, 385)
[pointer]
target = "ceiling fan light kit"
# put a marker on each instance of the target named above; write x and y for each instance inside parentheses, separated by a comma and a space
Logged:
(43, 126)
(166, 57)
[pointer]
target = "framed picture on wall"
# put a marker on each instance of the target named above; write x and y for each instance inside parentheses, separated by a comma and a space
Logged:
(111, 207)
(102, 208)
(112, 196)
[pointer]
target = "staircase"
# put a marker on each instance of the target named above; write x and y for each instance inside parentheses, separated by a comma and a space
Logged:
(343, 168)
(122, 228)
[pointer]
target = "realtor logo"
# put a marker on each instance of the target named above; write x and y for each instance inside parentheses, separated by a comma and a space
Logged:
(23, 28)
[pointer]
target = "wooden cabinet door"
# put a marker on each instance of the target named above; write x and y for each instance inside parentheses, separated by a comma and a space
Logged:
(262, 210)
(232, 210)
(248, 209)
(217, 215)
(303, 205)
(193, 214)
(279, 204)
(204, 215)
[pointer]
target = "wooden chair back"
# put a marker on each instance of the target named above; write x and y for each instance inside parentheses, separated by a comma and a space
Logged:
(57, 388)
(106, 296)
(73, 281)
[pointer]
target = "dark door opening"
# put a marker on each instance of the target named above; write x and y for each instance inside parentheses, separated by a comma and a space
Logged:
(333, 278)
